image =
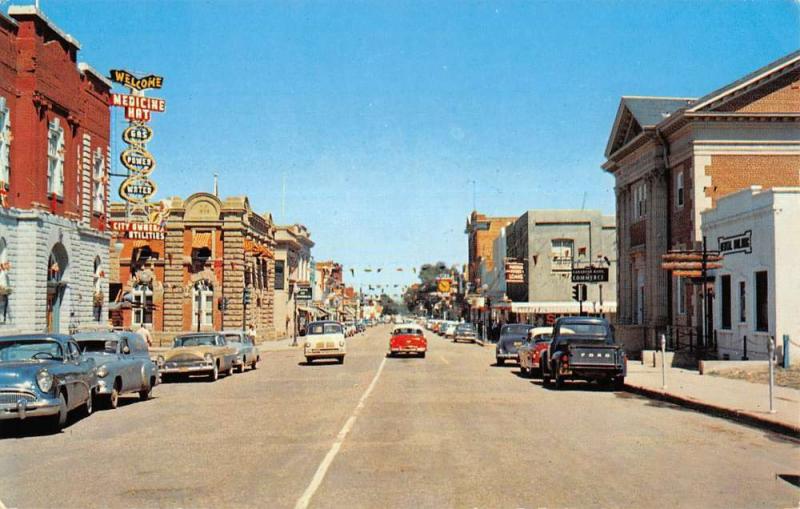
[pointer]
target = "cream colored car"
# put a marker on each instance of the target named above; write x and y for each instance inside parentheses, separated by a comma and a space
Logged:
(201, 353)
(324, 340)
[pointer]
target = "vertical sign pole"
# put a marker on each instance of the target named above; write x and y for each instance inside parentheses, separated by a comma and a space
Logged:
(663, 362)
(771, 353)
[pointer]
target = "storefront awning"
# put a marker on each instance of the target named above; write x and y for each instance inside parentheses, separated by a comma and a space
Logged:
(556, 307)
(201, 239)
(311, 311)
(322, 311)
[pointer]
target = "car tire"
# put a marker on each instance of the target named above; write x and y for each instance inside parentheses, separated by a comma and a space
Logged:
(88, 407)
(60, 419)
(255, 363)
(559, 378)
(145, 393)
(214, 375)
(308, 360)
(500, 362)
(240, 368)
(422, 355)
(619, 383)
(229, 371)
(341, 359)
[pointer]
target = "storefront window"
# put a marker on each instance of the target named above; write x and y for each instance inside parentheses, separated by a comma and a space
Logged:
(562, 253)
(762, 302)
(142, 305)
(203, 303)
(279, 274)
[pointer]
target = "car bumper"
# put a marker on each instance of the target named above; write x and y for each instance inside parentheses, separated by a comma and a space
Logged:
(408, 349)
(323, 353)
(187, 370)
(507, 356)
(24, 409)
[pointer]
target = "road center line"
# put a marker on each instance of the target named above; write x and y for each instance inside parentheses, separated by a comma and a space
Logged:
(319, 475)
(444, 360)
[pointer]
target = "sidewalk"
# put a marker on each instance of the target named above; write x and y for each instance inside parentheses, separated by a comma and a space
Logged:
(733, 399)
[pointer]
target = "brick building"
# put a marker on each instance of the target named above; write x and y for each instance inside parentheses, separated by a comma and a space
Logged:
(195, 278)
(54, 160)
(481, 231)
(673, 158)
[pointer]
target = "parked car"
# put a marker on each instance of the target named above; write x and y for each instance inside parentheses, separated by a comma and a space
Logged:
(349, 329)
(44, 375)
(408, 338)
(512, 336)
(529, 354)
(583, 348)
(199, 353)
(465, 332)
(123, 365)
(325, 340)
(450, 330)
(247, 353)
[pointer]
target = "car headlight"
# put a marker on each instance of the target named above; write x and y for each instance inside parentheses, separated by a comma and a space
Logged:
(308, 345)
(341, 343)
(102, 372)
(209, 358)
(44, 380)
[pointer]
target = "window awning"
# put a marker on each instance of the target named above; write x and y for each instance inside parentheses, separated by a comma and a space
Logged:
(201, 239)
(556, 307)
(322, 311)
(310, 310)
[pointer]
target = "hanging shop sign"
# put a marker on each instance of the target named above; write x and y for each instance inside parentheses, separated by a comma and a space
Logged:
(138, 188)
(135, 83)
(303, 293)
(590, 274)
(515, 271)
(736, 243)
(443, 284)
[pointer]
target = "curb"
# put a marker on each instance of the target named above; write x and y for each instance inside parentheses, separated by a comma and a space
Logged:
(732, 414)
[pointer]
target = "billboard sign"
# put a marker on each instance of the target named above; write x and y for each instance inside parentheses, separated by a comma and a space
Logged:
(515, 271)
(590, 274)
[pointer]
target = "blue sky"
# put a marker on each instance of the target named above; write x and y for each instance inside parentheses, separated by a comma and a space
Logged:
(382, 116)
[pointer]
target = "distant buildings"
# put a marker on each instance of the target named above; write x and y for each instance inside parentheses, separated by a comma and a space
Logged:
(672, 159)
(481, 231)
(292, 271)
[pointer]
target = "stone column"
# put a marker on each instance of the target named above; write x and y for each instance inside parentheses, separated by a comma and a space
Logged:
(658, 280)
(174, 290)
(624, 304)
(233, 271)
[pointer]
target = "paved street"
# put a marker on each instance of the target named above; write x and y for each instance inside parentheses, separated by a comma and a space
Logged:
(450, 430)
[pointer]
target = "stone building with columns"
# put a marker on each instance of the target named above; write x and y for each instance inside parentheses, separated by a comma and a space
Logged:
(193, 276)
(672, 159)
(292, 269)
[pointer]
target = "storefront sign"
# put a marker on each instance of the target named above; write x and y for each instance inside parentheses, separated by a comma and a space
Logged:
(303, 293)
(590, 274)
(138, 107)
(736, 244)
(443, 285)
(515, 271)
(138, 231)
(137, 133)
(129, 80)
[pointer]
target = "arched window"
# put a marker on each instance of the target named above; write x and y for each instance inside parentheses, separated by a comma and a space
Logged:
(5, 285)
(203, 303)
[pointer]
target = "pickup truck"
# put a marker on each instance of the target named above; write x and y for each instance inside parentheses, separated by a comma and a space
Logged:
(583, 348)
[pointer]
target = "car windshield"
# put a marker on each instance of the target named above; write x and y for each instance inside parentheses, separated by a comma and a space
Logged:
(515, 329)
(324, 328)
(541, 338)
(406, 330)
(465, 328)
(199, 340)
(233, 338)
(22, 350)
(98, 345)
(585, 329)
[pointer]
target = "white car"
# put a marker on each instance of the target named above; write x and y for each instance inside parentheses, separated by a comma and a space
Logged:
(324, 340)
(450, 331)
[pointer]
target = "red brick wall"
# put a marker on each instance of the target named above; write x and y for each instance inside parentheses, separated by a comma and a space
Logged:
(682, 218)
(730, 173)
(780, 96)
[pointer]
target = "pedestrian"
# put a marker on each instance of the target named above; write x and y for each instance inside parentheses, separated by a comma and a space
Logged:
(251, 331)
(144, 332)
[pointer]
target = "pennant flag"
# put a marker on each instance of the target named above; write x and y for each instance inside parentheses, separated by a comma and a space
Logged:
(367, 270)
(415, 270)
(399, 269)
(380, 270)
(353, 272)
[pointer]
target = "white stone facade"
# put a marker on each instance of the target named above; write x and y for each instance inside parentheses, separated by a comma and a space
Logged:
(757, 231)
(30, 238)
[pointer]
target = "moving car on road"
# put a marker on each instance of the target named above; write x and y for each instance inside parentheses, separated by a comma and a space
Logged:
(44, 375)
(123, 364)
(325, 340)
(450, 330)
(583, 348)
(529, 354)
(247, 353)
(199, 353)
(408, 338)
(512, 336)
(465, 332)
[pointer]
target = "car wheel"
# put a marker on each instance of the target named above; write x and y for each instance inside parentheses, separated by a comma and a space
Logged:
(112, 400)
(214, 376)
(241, 367)
(89, 405)
(229, 372)
(308, 360)
(145, 393)
(255, 363)
(422, 355)
(60, 419)
(500, 362)
(341, 359)
(524, 371)
(559, 378)
(619, 383)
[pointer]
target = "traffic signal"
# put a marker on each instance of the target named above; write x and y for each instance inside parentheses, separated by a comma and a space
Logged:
(579, 292)
(247, 296)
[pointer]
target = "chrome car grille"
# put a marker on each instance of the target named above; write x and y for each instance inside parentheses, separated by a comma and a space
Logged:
(11, 398)
(184, 358)
(330, 344)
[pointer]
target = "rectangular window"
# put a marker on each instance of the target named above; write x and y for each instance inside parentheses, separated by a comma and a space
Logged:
(679, 192)
(142, 306)
(742, 302)
(279, 274)
(99, 181)
(681, 296)
(725, 301)
(5, 143)
(639, 200)
(762, 301)
(55, 159)
(562, 252)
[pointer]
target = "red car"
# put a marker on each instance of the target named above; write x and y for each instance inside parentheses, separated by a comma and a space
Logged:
(530, 353)
(408, 338)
